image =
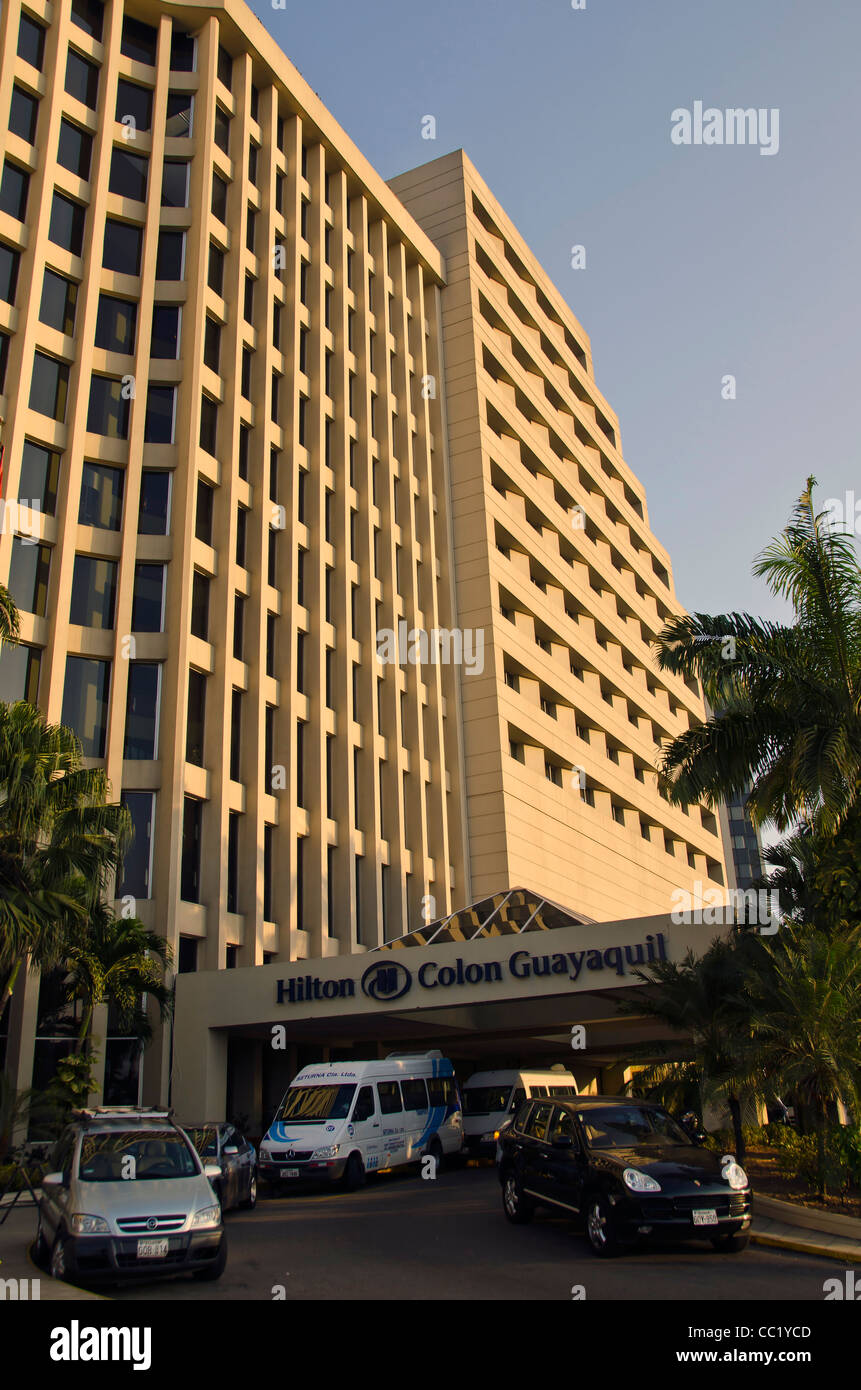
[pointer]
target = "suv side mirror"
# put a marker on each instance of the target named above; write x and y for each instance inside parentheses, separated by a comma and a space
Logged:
(562, 1141)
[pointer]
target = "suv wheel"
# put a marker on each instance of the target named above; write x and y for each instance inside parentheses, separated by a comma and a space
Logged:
(516, 1205)
(57, 1266)
(600, 1227)
(251, 1200)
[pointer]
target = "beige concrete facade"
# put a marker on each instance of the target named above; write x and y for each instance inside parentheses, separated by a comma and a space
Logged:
(392, 415)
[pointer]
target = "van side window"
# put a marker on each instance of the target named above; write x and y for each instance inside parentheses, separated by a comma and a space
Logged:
(441, 1090)
(364, 1107)
(390, 1097)
(415, 1094)
(538, 1090)
(517, 1100)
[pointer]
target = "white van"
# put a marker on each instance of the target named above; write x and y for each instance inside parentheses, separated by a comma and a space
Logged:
(490, 1098)
(346, 1119)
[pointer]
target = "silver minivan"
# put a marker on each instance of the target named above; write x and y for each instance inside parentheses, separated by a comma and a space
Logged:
(130, 1198)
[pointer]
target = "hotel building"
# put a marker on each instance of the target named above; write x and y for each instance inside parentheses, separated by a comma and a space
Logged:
(268, 419)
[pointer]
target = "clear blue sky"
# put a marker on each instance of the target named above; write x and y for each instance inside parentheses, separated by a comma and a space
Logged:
(701, 261)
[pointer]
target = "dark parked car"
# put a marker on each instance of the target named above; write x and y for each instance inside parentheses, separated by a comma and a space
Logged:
(223, 1144)
(625, 1168)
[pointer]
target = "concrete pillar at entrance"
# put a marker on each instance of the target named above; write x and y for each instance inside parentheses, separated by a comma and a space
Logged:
(199, 1090)
(23, 1009)
(615, 1079)
(98, 1035)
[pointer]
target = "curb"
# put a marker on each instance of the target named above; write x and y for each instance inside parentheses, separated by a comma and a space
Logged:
(806, 1247)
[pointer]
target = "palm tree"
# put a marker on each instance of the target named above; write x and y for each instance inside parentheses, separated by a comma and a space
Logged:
(787, 696)
(700, 999)
(56, 833)
(817, 877)
(806, 1023)
(9, 624)
(116, 960)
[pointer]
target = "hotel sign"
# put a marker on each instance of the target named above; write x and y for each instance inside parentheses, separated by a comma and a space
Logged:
(388, 979)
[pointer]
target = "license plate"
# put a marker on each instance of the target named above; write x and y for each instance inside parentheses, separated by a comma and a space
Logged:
(152, 1249)
(291, 1172)
(705, 1217)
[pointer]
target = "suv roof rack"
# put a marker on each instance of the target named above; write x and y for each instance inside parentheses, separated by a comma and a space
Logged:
(115, 1112)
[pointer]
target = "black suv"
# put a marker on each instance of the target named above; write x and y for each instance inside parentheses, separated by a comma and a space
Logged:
(626, 1168)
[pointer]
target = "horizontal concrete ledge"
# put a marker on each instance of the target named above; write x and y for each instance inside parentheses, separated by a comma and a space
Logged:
(779, 1237)
(808, 1218)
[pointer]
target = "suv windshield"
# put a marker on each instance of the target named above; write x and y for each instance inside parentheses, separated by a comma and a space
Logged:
(308, 1105)
(623, 1126)
(138, 1154)
(481, 1100)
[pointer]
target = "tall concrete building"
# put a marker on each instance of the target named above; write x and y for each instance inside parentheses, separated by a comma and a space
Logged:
(321, 532)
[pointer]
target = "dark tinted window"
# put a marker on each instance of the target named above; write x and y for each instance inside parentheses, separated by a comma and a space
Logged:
(141, 710)
(216, 269)
(13, 191)
(88, 15)
(31, 42)
(75, 149)
(415, 1094)
(23, 114)
(108, 412)
(192, 822)
(122, 249)
(94, 587)
(390, 1097)
(539, 1120)
(49, 386)
(59, 297)
(222, 129)
(116, 324)
(212, 344)
(170, 255)
(179, 115)
(209, 425)
(82, 79)
(225, 67)
(135, 877)
(66, 227)
(128, 175)
(194, 729)
(148, 598)
(139, 41)
(165, 331)
(203, 517)
(364, 1107)
(101, 496)
(28, 576)
(4, 360)
(174, 184)
(154, 503)
(181, 52)
(135, 101)
(200, 606)
(442, 1090)
(562, 1125)
(158, 427)
(219, 198)
(8, 273)
(40, 471)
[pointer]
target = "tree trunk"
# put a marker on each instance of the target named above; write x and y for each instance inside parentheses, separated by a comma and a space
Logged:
(735, 1112)
(9, 984)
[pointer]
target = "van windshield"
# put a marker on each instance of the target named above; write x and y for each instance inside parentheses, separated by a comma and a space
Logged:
(482, 1100)
(308, 1105)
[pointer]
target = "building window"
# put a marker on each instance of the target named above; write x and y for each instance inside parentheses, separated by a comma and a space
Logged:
(160, 414)
(200, 606)
(267, 872)
(75, 149)
(248, 306)
(135, 102)
(250, 228)
(174, 184)
(300, 662)
(241, 536)
(236, 736)
(136, 879)
(129, 172)
(244, 447)
(31, 42)
(66, 227)
(19, 674)
(187, 957)
(28, 577)
(148, 599)
(116, 324)
(139, 41)
(142, 706)
(225, 67)
(252, 162)
(180, 113)
(203, 513)
(270, 643)
(82, 80)
(108, 412)
(272, 561)
(300, 883)
(59, 301)
(215, 274)
(9, 261)
(85, 702)
(14, 185)
(23, 115)
(170, 257)
(49, 386)
(192, 825)
(40, 475)
(93, 597)
(218, 203)
(212, 344)
(165, 331)
(238, 627)
(300, 765)
(245, 375)
(222, 129)
(232, 872)
(182, 52)
(194, 729)
(154, 512)
(122, 247)
(101, 501)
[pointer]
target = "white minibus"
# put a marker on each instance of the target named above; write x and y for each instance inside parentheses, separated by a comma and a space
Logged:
(346, 1119)
(490, 1098)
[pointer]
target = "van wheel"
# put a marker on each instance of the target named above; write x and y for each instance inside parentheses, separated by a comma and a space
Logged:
(516, 1205)
(354, 1173)
(434, 1151)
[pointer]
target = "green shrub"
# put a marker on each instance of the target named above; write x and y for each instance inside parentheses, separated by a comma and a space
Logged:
(799, 1158)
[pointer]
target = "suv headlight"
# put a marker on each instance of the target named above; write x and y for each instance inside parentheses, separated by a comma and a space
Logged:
(735, 1175)
(639, 1182)
(84, 1225)
(330, 1152)
(207, 1217)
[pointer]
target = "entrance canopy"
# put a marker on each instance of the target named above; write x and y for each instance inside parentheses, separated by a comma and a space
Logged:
(504, 914)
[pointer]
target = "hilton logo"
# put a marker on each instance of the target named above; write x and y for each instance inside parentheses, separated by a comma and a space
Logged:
(385, 981)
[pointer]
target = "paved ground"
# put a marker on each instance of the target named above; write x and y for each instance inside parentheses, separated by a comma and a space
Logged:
(448, 1239)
